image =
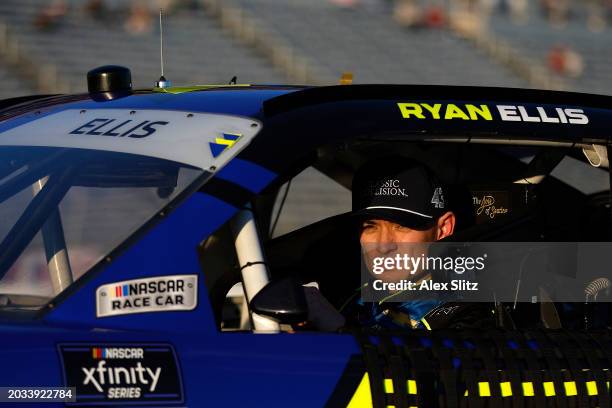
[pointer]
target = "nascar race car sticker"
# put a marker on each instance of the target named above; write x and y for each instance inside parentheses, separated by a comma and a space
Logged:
(158, 294)
(197, 139)
(507, 113)
(122, 374)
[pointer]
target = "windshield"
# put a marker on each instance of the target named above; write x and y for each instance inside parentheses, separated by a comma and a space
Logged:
(62, 210)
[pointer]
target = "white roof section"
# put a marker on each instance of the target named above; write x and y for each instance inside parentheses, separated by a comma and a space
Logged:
(198, 139)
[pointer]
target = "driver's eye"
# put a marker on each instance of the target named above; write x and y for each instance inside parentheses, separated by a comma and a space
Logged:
(368, 226)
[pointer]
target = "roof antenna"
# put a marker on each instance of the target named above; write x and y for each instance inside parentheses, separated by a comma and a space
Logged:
(162, 82)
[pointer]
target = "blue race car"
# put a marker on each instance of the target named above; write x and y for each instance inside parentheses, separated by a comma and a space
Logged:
(138, 264)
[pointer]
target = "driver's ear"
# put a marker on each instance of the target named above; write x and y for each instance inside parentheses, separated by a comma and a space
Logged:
(446, 225)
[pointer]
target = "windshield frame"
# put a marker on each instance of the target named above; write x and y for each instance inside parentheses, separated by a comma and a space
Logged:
(49, 198)
(133, 238)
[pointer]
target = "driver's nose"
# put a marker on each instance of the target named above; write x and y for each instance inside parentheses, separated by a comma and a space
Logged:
(386, 241)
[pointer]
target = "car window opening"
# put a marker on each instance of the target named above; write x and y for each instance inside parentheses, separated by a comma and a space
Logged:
(519, 179)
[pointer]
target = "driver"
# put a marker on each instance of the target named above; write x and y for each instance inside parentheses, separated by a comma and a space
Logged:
(398, 201)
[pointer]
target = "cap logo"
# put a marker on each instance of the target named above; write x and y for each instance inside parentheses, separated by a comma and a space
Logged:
(387, 188)
(438, 198)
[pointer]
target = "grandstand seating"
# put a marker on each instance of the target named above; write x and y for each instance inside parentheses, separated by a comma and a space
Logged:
(535, 38)
(196, 51)
(362, 39)
(12, 85)
(365, 41)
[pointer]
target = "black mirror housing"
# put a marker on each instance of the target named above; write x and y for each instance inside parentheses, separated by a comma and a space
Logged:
(282, 300)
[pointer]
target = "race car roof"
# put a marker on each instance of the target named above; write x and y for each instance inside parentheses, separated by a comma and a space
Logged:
(297, 119)
(277, 99)
(300, 122)
(314, 95)
(236, 100)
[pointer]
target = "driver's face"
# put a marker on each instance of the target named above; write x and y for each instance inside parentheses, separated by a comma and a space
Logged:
(381, 232)
(380, 238)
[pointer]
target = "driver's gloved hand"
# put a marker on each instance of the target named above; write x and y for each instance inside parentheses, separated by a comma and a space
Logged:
(321, 314)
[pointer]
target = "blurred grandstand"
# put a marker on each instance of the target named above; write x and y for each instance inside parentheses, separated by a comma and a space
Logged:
(47, 46)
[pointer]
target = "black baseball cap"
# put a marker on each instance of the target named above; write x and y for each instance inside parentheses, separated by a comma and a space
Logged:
(399, 190)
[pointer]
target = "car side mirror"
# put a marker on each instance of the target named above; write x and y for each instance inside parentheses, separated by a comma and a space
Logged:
(282, 300)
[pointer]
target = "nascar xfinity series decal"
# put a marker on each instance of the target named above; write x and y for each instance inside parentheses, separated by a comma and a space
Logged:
(158, 294)
(506, 113)
(122, 374)
(198, 139)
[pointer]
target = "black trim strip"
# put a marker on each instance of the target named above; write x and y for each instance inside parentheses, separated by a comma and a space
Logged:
(227, 191)
(400, 382)
(249, 264)
(348, 383)
(370, 355)
(313, 96)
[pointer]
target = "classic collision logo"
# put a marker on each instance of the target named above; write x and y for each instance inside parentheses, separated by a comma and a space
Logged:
(386, 188)
(122, 373)
(158, 294)
(507, 113)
